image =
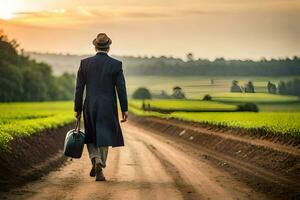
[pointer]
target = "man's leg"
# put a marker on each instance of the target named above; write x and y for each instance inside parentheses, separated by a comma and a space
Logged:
(103, 151)
(101, 163)
(98, 156)
(93, 154)
(93, 151)
(98, 152)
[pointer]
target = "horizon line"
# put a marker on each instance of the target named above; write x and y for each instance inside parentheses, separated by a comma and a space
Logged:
(174, 57)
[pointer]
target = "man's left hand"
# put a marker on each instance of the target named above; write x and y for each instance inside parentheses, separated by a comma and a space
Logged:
(77, 115)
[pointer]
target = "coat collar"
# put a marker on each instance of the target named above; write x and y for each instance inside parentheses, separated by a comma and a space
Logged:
(101, 53)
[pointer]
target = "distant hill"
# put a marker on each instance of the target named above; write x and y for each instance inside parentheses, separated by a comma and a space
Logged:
(177, 67)
(60, 63)
(69, 63)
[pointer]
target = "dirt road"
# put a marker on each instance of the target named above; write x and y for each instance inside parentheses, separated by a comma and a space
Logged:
(150, 166)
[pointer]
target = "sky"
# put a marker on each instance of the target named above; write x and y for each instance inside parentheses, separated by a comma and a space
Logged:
(239, 29)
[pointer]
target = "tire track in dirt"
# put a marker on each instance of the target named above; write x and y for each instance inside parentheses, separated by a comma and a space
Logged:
(262, 180)
(238, 162)
(187, 191)
(207, 181)
(153, 174)
(148, 179)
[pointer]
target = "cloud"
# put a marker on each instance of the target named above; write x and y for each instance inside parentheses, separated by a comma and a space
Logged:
(31, 14)
(63, 17)
(85, 14)
(204, 12)
(135, 14)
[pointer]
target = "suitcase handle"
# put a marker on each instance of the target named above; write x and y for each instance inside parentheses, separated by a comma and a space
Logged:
(77, 126)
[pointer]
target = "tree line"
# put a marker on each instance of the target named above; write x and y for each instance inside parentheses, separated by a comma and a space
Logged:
(290, 87)
(24, 79)
(170, 66)
(218, 67)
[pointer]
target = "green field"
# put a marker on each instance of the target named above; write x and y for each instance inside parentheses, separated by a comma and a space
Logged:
(273, 122)
(265, 102)
(280, 122)
(196, 86)
(174, 104)
(262, 98)
(24, 119)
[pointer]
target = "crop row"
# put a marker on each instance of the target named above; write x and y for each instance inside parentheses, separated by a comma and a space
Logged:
(24, 119)
(287, 123)
(273, 122)
(187, 105)
(253, 98)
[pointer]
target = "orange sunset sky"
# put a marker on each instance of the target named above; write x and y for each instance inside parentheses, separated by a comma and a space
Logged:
(208, 28)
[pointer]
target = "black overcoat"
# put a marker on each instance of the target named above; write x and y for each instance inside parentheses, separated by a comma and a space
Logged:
(102, 76)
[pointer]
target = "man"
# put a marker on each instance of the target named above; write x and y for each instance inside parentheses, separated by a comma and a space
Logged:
(102, 76)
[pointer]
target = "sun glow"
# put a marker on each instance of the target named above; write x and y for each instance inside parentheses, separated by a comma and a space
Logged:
(6, 11)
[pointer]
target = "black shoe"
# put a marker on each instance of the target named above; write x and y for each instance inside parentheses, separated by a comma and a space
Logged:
(93, 172)
(99, 172)
(100, 176)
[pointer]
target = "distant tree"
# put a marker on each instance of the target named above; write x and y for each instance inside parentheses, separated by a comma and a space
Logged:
(235, 87)
(220, 59)
(24, 79)
(249, 87)
(263, 59)
(141, 93)
(207, 97)
(271, 88)
(252, 107)
(178, 93)
(291, 87)
(66, 85)
(11, 80)
(296, 82)
(162, 95)
(148, 106)
(282, 88)
(143, 105)
(35, 88)
(190, 57)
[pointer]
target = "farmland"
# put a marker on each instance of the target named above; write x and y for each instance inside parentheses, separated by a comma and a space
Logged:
(278, 113)
(266, 102)
(280, 122)
(186, 105)
(261, 98)
(195, 87)
(25, 119)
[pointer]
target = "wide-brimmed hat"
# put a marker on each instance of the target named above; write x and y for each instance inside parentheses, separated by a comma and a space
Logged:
(102, 41)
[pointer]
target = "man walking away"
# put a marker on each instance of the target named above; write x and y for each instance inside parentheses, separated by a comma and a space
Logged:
(101, 76)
